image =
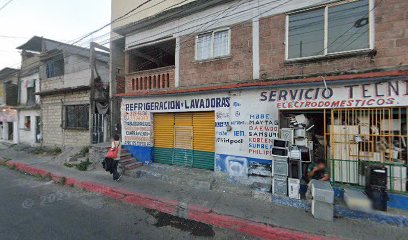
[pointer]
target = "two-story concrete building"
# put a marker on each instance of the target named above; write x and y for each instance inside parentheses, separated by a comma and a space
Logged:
(28, 109)
(211, 84)
(69, 115)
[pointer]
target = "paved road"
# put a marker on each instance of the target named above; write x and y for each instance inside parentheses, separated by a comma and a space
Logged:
(32, 208)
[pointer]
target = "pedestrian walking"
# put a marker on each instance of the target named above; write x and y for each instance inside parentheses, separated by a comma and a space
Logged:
(110, 164)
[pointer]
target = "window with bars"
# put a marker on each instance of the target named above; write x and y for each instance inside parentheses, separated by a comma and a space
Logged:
(336, 28)
(77, 116)
(213, 44)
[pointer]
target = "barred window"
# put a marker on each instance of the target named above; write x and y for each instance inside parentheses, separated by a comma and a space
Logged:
(77, 116)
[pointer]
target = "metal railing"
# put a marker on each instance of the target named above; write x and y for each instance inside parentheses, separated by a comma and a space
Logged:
(352, 172)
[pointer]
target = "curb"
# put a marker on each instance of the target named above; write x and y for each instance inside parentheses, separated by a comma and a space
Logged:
(172, 207)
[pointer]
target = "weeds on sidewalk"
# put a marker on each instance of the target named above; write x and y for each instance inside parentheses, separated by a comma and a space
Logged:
(63, 180)
(70, 165)
(83, 166)
(51, 151)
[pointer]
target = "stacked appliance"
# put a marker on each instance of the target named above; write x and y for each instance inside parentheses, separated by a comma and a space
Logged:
(280, 169)
(323, 200)
(376, 186)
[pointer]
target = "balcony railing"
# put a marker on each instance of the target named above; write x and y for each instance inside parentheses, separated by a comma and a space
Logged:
(158, 78)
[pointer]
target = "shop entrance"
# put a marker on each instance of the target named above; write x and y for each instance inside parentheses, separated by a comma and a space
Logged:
(185, 139)
(350, 139)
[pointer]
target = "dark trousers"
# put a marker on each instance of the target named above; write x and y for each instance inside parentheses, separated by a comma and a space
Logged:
(115, 170)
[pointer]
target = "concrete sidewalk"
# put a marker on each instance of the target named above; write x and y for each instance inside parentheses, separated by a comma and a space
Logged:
(226, 210)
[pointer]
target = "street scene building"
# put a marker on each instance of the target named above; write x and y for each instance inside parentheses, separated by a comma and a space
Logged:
(278, 119)
(215, 92)
(65, 87)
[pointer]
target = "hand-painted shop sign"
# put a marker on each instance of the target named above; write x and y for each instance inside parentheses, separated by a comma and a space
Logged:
(198, 103)
(376, 94)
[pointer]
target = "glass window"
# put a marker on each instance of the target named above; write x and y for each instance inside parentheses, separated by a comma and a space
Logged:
(347, 30)
(213, 45)
(306, 34)
(55, 68)
(77, 116)
(348, 27)
(221, 43)
(204, 46)
(27, 122)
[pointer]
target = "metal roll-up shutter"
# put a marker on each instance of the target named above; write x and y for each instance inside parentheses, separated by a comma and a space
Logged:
(163, 137)
(204, 140)
(183, 143)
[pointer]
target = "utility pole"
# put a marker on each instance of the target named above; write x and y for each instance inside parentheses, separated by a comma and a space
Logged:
(93, 68)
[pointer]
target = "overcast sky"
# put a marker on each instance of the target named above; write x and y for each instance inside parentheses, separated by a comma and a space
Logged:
(61, 20)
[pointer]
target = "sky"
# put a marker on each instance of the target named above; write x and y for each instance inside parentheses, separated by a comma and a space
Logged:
(61, 20)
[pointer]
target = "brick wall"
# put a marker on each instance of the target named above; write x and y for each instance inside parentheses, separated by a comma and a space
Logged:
(391, 44)
(238, 67)
(120, 84)
(52, 129)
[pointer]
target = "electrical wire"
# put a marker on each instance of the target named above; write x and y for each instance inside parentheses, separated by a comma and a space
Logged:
(5, 5)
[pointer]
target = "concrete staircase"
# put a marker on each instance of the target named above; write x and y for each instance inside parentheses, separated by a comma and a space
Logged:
(127, 162)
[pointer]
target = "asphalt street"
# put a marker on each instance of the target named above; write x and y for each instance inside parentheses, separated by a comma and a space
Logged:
(31, 208)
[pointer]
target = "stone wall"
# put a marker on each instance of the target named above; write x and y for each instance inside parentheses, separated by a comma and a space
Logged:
(53, 120)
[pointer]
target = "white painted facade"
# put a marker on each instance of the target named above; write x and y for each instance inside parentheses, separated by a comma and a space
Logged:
(27, 135)
(121, 7)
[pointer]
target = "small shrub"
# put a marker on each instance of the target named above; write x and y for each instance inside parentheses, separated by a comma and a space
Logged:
(68, 165)
(56, 151)
(83, 166)
(84, 151)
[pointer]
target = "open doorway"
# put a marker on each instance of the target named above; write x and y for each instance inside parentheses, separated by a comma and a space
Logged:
(10, 131)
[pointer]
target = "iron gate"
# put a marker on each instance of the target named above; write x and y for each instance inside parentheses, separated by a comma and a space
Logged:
(98, 125)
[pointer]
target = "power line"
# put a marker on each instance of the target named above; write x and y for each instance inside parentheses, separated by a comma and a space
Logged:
(5, 5)
(17, 37)
(197, 25)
